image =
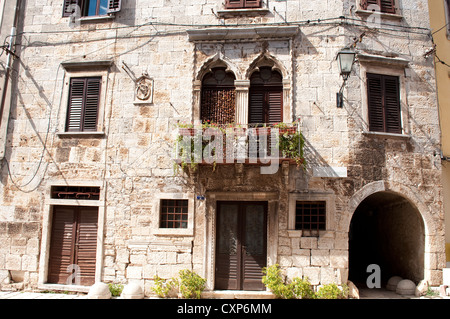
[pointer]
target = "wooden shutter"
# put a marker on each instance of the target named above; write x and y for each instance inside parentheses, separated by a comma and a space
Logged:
(114, 6)
(73, 242)
(375, 102)
(61, 244)
(84, 97)
(241, 4)
(383, 103)
(234, 4)
(392, 104)
(86, 243)
(66, 11)
(275, 105)
(386, 6)
(256, 106)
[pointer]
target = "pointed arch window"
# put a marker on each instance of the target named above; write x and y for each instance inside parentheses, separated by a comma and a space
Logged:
(266, 96)
(218, 97)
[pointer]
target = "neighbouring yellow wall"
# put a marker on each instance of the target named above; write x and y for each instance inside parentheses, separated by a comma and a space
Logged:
(442, 41)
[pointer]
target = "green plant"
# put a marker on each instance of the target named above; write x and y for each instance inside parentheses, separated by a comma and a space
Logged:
(191, 284)
(162, 287)
(302, 288)
(332, 291)
(273, 280)
(115, 289)
(291, 146)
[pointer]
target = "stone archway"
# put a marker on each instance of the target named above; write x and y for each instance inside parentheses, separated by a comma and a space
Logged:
(387, 230)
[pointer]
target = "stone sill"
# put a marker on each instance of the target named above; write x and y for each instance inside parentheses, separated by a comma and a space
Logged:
(173, 232)
(96, 18)
(60, 287)
(387, 135)
(252, 33)
(81, 134)
(388, 16)
(231, 13)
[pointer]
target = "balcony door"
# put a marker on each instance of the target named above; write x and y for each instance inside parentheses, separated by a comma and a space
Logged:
(241, 245)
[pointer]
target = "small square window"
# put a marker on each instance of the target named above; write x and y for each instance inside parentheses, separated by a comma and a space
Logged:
(174, 213)
(310, 217)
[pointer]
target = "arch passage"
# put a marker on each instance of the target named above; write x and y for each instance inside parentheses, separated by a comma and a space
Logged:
(386, 230)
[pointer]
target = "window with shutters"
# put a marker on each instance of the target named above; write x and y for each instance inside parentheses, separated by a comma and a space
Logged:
(265, 97)
(218, 97)
(242, 4)
(384, 6)
(383, 98)
(83, 104)
(88, 8)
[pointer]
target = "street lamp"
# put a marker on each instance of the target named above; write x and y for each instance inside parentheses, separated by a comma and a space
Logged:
(346, 58)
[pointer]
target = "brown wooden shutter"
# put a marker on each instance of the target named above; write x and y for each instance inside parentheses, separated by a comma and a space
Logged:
(275, 105)
(256, 106)
(66, 11)
(234, 4)
(375, 102)
(386, 6)
(392, 104)
(73, 242)
(241, 4)
(252, 3)
(61, 244)
(383, 103)
(86, 244)
(84, 97)
(114, 6)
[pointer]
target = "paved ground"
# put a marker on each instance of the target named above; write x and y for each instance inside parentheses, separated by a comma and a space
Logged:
(364, 294)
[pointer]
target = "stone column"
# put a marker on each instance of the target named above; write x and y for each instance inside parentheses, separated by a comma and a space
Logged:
(287, 104)
(196, 100)
(242, 87)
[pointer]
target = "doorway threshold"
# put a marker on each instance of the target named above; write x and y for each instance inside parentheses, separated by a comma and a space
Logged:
(237, 294)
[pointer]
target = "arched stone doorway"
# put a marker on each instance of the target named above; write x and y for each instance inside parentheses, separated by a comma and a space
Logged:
(387, 230)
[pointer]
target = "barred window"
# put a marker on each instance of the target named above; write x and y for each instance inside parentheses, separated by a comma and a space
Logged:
(310, 217)
(174, 213)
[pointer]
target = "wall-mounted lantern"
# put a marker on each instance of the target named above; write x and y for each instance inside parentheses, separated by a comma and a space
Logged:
(346, 58)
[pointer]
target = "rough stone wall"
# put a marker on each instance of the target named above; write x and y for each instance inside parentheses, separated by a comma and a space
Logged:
(133, 158)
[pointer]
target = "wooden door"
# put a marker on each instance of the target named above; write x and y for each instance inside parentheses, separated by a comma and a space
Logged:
(73, 245)
(241, 245)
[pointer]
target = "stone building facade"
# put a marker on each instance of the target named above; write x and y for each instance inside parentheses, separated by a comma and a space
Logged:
(94, 193)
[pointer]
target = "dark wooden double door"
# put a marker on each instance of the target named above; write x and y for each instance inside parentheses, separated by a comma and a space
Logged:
(241, 245)
(73, 245)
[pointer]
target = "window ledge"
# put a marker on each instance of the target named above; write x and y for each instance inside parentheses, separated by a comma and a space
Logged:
(387, 135)
(173, 232)
(96, 18)
(229, 13)
(80, 134)
(389, 16)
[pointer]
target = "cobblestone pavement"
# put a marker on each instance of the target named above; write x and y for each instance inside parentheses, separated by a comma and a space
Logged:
(38, 295)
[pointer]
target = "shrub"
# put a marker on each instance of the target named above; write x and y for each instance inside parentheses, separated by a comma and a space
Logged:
(115, 289)
(163, 287)
(332, 291)
(302, 288)
(191, 284)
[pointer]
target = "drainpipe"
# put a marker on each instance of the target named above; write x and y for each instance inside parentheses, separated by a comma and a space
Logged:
(9, 59)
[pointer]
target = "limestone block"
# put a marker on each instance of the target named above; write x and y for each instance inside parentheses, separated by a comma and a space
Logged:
(406, 287)
(99, 290)
(421, 288)
(446, 276)
(132, 291)
(393, 282)
(353, 291)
